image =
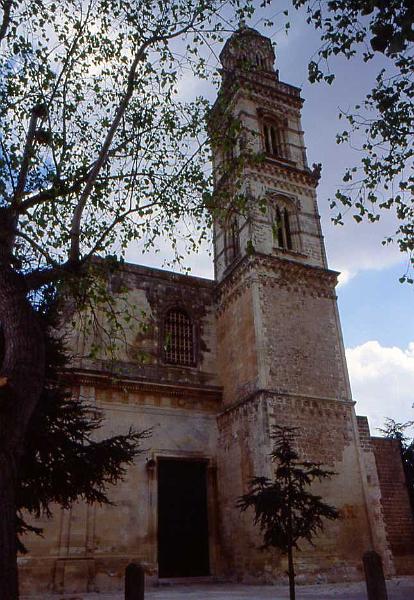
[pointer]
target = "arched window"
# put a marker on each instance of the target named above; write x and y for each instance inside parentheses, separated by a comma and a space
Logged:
(178, 338)
(275, 134)
(272, 140)
(282, 228)
(260, 61)
(231, 242)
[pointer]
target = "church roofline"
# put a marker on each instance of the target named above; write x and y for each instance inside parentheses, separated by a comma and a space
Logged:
(165, 274)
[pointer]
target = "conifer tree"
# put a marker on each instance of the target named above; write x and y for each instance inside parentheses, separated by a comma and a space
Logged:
(285, 509)
(63, 460)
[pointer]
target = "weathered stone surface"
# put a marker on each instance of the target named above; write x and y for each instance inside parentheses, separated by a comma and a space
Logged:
(395, 503)
(267, 351)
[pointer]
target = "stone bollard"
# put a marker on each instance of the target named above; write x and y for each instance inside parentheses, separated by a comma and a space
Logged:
(374, 576)
(134, 582)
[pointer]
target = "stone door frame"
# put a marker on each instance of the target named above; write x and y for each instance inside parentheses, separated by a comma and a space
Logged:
(212, 507)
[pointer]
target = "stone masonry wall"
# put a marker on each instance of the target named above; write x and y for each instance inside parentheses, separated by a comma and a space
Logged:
(325, 434)
(237, 345)
(304, 353)
(398, 515)
(86, 548)
(242, 453)
(380, 540)
(147, 294)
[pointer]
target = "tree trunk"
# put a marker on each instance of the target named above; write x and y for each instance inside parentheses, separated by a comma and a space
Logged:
(291, 571)
(291, 568)
(21, 382)
(8, 551)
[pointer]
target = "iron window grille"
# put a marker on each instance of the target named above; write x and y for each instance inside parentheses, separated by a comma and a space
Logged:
(179, 339)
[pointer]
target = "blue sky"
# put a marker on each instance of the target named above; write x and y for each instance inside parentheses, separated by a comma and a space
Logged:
(375, 309)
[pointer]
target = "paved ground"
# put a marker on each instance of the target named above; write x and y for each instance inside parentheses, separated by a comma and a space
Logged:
(401, 588)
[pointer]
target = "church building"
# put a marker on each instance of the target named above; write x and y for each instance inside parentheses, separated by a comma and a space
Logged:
(219, 364)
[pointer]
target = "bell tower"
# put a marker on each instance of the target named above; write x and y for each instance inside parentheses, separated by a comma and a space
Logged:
(280, 351)
(279, 215)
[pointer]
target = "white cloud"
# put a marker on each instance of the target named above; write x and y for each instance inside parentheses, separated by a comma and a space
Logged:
(382, 381)
(344, 277)
(354, 248)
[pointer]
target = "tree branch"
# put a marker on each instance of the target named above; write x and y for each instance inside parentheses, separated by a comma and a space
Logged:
(7, 161)
(103, 154)
(21, 181)
(114, 223)
(7, 4)
(60, 190)
(40, 277)
(77, 215)
(37, 247)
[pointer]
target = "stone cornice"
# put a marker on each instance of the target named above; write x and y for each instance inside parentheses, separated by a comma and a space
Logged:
(266, 394)
(105, 380)
(267, 84)
(275, 271)
(293, 173)
(269, 167)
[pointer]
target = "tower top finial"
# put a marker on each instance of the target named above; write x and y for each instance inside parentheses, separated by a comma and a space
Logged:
(242, 23)
(247, 48)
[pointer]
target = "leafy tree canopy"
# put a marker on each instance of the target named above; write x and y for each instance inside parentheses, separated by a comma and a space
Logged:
(384, 179)
(97, 149)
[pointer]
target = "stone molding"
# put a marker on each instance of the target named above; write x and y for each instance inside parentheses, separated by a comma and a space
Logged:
(262, 395)
(274, 181)
(273, 89)
(293, 173)
(273, 271)
(108, 381)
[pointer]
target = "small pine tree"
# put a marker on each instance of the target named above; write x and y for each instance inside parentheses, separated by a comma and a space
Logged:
(62, 461)
(285, 510)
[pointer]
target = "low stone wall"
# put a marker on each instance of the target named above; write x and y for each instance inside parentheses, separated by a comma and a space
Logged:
(398, 516)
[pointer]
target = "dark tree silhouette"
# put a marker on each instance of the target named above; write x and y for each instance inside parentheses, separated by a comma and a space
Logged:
(285, 510)
(62, 461)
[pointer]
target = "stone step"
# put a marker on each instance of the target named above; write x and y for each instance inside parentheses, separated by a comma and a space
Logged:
(170, 581)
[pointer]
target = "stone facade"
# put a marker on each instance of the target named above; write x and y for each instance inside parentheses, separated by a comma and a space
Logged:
(214, 365)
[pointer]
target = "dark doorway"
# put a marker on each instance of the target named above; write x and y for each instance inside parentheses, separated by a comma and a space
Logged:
(182, 519)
